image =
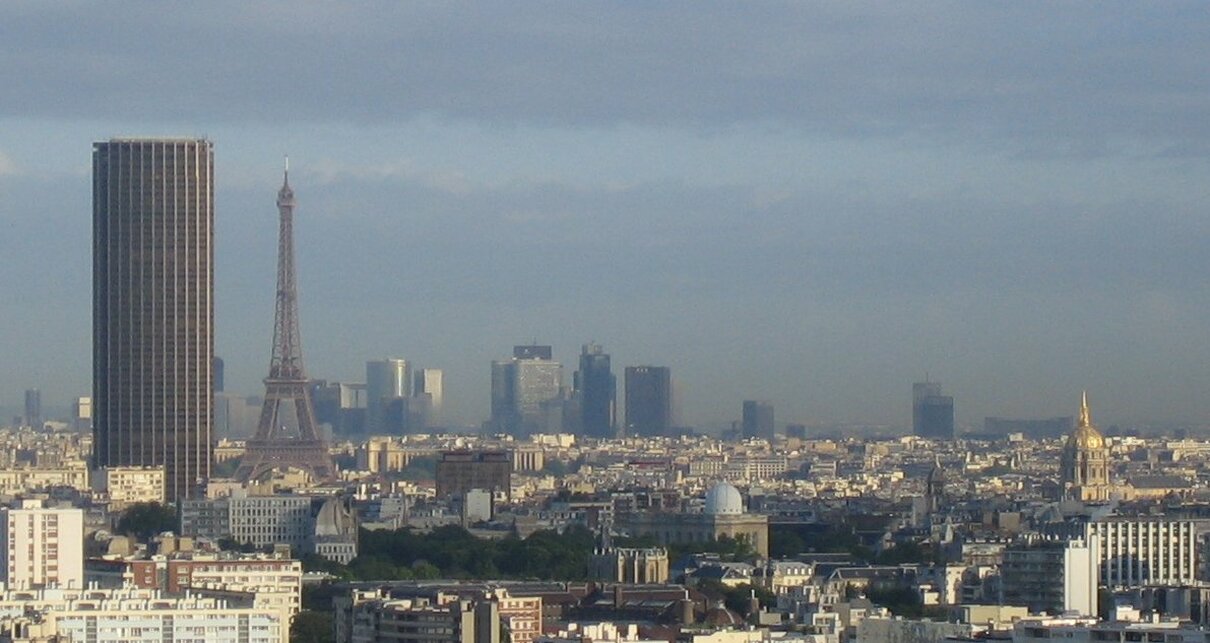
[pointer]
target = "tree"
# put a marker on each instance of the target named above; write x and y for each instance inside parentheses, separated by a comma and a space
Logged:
(146, 519)
(313, 627)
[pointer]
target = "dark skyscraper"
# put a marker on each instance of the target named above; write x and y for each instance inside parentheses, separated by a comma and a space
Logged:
(596, 387)
(758, 420)
(648, 400)
(932, 412)
(33, 408)
(153, 307)
(218, 374)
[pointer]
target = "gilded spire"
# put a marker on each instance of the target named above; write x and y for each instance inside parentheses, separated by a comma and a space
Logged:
(1085, 414)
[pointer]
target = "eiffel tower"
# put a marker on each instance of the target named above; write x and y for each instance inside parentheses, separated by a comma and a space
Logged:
(274, 447)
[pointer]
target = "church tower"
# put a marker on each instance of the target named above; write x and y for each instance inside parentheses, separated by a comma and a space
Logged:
(1084, 465)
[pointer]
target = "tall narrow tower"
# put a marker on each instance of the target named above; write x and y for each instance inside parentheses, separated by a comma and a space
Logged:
(274, 446)
(153, 307)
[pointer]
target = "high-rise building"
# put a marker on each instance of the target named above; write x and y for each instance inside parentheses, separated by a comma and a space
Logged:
(596, 390)
(41, 546)
(386, 380)
(648, 400)
(527, 392)
(431, 382)
(33, 408)
(153, 307)
(758, 420)
(932, 412)
(218, 374)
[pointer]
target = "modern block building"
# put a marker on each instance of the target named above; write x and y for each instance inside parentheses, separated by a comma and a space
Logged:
(758, 420)
(461, 471)
(33, 408)
(41, 546)
(153, 307)
(1052, 575)
(648, 400)
(932, 412)
(527, 392)
(386, 380)
(596, 388)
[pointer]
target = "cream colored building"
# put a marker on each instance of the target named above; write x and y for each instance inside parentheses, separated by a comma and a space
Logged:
(135, 616)
(41, 546)
(124, 486)
(15, 481)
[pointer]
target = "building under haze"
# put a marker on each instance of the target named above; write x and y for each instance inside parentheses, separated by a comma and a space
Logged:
(153, 307)
(387, 380)
(758, 420)
(527, 392)
(33, 408)
(596, 393)
(430, 382)
(932, 412)
(648, 400)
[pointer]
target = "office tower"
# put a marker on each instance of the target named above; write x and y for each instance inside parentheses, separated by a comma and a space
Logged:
(533, 351)
(153, 307)
(648, 400)
(431, 382)
(386, 380)
(41, 547)
(527, 392)
(218, 374)
(596, 392)
(461, 471)
(273, 447)
(33, 408)
(340, 405)
(82, 413)
(758, 420)
(932, 412)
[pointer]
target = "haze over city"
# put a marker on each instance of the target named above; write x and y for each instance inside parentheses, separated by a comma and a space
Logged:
(814, 205)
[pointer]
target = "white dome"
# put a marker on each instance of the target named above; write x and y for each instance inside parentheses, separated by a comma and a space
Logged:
(724, 500)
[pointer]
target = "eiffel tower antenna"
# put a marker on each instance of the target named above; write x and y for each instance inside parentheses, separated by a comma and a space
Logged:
(274, 447)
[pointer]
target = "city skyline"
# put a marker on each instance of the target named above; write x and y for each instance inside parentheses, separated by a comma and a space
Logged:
(811, 205)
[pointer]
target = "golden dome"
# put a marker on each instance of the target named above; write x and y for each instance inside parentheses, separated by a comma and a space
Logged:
(1086, 436)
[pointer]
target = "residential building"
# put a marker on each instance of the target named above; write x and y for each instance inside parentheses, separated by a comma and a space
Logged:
(41, 546)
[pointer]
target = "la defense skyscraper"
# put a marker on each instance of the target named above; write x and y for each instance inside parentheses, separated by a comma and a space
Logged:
(153, 307)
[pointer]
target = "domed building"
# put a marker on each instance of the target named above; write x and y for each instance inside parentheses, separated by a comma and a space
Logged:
(723, 515)
(1084, 464)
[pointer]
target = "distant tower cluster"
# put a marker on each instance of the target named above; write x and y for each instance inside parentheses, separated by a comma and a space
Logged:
(932, 412)
(400, 400)
(648, 400)
(153, 307)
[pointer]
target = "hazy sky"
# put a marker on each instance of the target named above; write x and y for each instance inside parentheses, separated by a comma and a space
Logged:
(812, 203)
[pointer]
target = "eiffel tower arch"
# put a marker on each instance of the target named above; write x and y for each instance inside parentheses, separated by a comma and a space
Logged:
(274, 446)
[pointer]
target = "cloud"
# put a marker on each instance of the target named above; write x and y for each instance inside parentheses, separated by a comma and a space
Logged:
(954, 70)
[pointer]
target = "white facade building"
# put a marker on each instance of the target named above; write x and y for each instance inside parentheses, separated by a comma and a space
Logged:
(41, 546)
(1144, 551)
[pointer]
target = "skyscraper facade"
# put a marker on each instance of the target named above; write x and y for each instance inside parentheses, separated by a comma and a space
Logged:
(596, 389)
(932, 412)
(33, 408)
(430, 382)
(153, 307)
(648, 400)
(527, 392)
(386, 380)
(758, 420)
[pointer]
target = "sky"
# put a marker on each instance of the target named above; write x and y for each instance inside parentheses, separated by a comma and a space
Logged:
(810, 203)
